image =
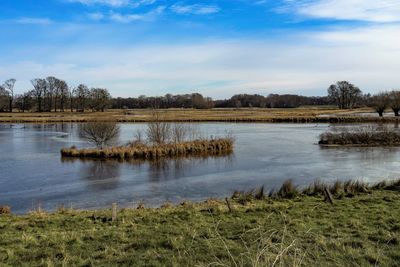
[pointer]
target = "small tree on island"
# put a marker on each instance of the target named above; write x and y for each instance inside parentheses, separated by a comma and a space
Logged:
(101, 134)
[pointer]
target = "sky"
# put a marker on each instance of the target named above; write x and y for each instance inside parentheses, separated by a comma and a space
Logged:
(216, 48)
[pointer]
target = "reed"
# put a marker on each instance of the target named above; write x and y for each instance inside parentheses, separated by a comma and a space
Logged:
(361, 136)
(156, 151)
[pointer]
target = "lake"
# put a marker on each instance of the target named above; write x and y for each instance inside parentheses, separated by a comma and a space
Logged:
(32, 170)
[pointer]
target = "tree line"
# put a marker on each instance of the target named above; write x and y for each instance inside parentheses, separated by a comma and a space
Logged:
(52, 95)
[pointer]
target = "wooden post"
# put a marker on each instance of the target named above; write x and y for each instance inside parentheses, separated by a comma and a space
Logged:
(228, 204)
(328, 196)
(114, 212)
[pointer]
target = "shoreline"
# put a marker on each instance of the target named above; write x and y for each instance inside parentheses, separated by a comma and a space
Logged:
(300, 230)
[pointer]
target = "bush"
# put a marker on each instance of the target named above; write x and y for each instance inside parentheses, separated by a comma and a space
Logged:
(100, 134)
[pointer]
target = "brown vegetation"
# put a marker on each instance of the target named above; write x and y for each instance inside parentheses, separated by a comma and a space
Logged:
(5, 210)
(361, 136)
(142, 151)
(294, 115)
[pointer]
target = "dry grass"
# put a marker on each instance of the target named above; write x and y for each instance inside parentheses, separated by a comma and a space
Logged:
(5, 210)
(141, 151)
(339, 189)
(301, 115)
(361, 136)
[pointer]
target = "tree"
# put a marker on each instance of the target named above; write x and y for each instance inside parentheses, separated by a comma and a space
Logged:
(63, 93)
(100, 134)
(3, 99)
(99, 99)
(380, 102)
(39, 89)
(9, 87)
(24, 101)
(158, 131)
(395, 102)
(52, 86)
(82, 94)
(344, 94)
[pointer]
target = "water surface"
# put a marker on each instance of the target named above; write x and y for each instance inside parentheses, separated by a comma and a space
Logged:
(32, 171)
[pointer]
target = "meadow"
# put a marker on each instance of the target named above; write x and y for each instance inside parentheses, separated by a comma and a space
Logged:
(287, 228)
(302, 114)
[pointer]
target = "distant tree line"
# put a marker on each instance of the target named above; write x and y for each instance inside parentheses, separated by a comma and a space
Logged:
(195, 100)
(52, 95)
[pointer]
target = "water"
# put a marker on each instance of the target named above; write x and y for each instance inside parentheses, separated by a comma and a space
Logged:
(32, 171)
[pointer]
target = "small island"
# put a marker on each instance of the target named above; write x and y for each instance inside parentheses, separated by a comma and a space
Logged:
(160, 140)
(361, 136)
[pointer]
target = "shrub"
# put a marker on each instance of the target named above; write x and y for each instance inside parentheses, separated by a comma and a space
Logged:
(100, 134)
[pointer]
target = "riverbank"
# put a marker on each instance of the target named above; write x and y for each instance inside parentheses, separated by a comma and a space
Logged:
(359, 229)
(295, 115)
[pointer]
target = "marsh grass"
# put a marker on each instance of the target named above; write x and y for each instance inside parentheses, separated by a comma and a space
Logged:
(338, 188)
(361, 136)
(295, 115)
(143, 151)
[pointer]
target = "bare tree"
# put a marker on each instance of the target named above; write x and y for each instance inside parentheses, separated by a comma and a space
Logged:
(100, 134)
(344, 94)
(99, 99)
(3, 99)
(82, 94)
(39, 89)
(380, 102)
(9, 87)
(179, 132)
(395, 102)
(158, 131)
(52, 83)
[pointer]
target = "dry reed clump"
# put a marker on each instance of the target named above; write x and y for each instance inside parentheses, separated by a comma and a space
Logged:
(339, 189)
(142, 151)
(5, 210)
(361, 136)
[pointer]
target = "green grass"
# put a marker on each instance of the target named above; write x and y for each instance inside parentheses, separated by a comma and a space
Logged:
(358, 230)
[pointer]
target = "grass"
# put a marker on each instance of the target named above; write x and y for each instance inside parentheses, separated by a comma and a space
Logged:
(361, 136)
(358, 230)
(300, 115)
(197, 147)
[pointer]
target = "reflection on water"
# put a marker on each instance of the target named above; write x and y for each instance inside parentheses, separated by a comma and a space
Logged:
(32, 171)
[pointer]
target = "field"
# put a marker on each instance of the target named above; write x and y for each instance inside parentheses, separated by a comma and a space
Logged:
(357, 230)
(303, 114)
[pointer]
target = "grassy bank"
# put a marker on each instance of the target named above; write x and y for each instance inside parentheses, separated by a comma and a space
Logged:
(295, 115)
(359, 229)
(142, 151)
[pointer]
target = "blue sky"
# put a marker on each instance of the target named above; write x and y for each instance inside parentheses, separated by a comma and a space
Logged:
(217, 48)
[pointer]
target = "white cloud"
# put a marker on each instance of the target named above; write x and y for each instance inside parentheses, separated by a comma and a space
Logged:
(115, 3)
(35, 21)
(96, 16)
(195, 9)
(362, 10)
(304, 63)
(127, 18)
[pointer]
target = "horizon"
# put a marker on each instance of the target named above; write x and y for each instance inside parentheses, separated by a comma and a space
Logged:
(215, 48)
